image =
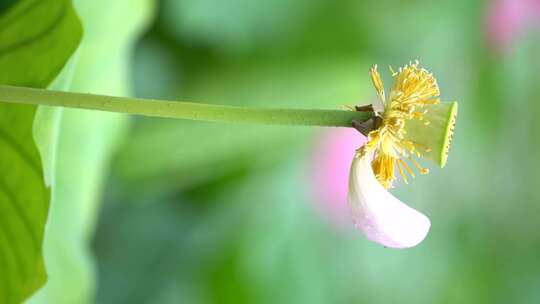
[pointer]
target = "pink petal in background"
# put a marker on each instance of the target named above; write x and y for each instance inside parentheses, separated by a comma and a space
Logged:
(331, 160)
(507, 20)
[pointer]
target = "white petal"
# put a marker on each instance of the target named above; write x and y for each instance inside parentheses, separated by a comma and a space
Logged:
(378, 214)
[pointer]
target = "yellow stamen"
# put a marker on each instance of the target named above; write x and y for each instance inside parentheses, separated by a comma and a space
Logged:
(418, 167)
(401, 173)
(409, 170)
(413, 89)
(377, 83)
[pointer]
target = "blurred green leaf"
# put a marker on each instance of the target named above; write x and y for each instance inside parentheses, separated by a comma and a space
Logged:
(86, 142)
(236, 25)
(36, 40)
(47, 124)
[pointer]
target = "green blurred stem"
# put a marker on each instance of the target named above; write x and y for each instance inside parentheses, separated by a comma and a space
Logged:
(182, 110)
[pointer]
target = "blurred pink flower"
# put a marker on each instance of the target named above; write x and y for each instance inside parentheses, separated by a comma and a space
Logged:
(507, 20)
(331, 161)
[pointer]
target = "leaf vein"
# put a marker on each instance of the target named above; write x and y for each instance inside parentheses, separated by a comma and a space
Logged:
(36, 168)
(12, 198)
(56, 21)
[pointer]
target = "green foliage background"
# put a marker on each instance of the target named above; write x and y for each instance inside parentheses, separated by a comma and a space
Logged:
(161, 211)
(238, 220)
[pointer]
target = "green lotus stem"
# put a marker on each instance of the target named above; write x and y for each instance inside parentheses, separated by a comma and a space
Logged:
(182, 110)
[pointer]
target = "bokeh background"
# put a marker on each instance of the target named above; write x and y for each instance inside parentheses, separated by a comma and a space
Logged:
(165, 211)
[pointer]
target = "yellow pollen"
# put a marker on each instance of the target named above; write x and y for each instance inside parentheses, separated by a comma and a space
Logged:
(413, 88)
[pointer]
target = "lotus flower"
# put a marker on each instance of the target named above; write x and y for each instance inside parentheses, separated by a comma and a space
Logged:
(507, 20)
(411, 124)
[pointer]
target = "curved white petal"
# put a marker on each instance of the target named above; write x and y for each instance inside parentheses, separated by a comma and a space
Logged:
(378, 214)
